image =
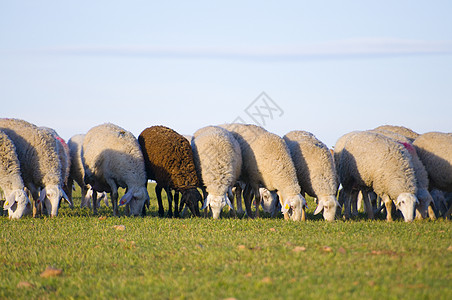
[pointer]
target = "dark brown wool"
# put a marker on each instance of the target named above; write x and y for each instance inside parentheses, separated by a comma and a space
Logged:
(168, 158)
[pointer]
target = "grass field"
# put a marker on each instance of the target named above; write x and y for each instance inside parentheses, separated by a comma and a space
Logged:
(198, 258)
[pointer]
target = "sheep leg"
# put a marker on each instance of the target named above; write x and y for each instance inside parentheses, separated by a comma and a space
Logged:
(238, 198)
(170, 202)
(176, 204)
(248, 198)
(388, 205)
(357, 203)
(257, 199)
(347, 200)
(94, 200)
(84, 202)
(158, 193)
(367, 205)
(113, 195)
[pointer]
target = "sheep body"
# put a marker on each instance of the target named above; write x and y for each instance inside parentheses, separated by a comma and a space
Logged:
(10, 179)
(112, 158)
(169, 161)
(406, 132)
(64, 156)
(315, 169)
(420, 172)
(367, 160)
(266, 161)
(434, 150)
(218, 160)
(39, 162)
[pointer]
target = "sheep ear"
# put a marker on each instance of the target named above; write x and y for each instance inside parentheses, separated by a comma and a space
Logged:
(65, 197)
(228, 201)
(319, 208)
(42, 196)
(10, 200)
(285, 208)
(206, 203)
(126, 198)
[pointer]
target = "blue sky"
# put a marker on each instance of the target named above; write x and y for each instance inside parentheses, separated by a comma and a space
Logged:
(330, 66)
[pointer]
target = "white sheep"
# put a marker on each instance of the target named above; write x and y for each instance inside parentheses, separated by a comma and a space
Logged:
(77, 172)
(267, 162)
(218, 159)
(10, 179)
(316, 171)
(423, 194)
(367, 160)
(112, 158)
(406, 132)
(64, 156)
(434, 150)
(39, 163)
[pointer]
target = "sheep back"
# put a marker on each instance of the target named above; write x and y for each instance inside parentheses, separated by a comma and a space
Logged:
(266, 159)
(218, 158)
(375, 161)
(37, 153)
(434, 150)
(407, 132)
(10, 176)
(313, 163)
(110, 151)
(168, 158)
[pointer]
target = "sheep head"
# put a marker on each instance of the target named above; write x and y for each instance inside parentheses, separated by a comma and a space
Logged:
(268, 200)
(191, 198)
(293, 207)
(136, 198)
(51, 196)
(406, 203)
(216, 204)
(425, 199)
(328, 204)
(17, 204)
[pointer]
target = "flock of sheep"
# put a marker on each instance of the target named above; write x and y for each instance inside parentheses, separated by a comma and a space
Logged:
(228, 162)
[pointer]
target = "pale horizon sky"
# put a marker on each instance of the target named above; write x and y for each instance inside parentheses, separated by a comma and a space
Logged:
(331, 67)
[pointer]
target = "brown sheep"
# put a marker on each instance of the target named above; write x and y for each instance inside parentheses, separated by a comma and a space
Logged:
(169, 161)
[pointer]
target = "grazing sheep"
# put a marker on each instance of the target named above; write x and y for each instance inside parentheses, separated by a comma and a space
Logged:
(269, 201)
(266, 161)
(40, 165)
(77, 172)
(406, 132)
(218, 159)
(423, 194)
(316, 171)
(10, 179)
(112, 158)
(64, 156)
(435, 151)
(169, 161)
(367, 160)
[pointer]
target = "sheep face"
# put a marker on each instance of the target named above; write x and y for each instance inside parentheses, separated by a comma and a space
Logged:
(425, 199)
(17, 204)
(329, 206)
(216, 204)
(191, 198)
(51, 196)
(136, 199)
(269, 200)
(406, 203)
(293, 207)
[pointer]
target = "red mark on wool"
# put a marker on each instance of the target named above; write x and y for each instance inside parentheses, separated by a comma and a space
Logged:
(409, 147)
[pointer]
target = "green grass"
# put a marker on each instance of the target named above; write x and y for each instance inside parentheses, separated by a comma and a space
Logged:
(198, 258)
